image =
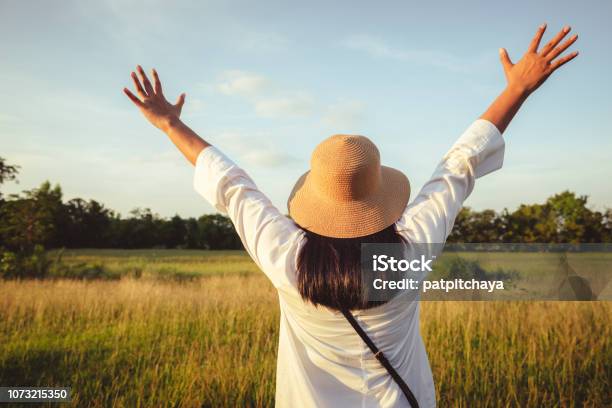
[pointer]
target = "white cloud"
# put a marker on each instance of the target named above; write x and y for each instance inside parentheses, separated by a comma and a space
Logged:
(267, 98)
(241, 83)
(297, 105)
(377, 47)
(270, 101)
(345, 116)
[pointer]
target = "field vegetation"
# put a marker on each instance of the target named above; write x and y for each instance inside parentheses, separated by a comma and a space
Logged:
(199, 328)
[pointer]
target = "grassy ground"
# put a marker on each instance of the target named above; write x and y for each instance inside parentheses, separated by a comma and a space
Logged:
(212, 341)
(164, 264)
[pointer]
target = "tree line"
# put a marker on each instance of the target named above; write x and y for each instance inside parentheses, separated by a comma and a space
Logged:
(564, 218)
(41, 217)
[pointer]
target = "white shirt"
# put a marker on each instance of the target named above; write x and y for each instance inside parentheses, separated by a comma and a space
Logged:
(322, 362)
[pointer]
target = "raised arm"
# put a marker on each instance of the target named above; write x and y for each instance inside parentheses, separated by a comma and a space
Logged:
(263, 229)
(528, 74)
(164, 115)
(480, 150)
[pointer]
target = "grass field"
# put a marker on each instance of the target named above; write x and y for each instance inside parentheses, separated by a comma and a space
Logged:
(161, 336)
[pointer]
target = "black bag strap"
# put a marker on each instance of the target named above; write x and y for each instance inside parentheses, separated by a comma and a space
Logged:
(382, 359)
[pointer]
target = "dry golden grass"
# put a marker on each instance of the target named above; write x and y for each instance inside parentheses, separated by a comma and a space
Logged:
(127, 343)
(212, 342)
(527, 354)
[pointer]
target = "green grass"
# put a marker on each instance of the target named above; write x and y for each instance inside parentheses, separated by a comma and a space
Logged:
(212, 341)
(164, 263)
(537, 272)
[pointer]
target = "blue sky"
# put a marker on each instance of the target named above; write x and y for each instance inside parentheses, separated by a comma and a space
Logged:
(266, 81)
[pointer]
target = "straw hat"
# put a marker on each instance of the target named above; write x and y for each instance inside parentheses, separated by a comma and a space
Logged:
(347, 193)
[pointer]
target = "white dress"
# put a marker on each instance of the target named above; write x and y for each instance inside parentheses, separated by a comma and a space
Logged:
(322, 362)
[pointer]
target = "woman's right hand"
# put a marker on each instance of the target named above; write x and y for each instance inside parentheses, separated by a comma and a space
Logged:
(527, 75)
(536, 66)
(152, 102)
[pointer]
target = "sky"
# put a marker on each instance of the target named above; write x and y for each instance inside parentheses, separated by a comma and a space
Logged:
(267, 81)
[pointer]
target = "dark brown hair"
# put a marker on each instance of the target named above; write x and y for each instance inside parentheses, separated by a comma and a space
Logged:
(329, 269)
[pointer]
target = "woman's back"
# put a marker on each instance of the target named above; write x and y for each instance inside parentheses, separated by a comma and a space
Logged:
(323, 363)
(321, 359)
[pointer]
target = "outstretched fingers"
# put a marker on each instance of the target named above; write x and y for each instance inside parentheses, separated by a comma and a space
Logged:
(535, 42)
(132, 97)
(141, 92)
(145, 80)
(562, 61)
(152, 94)
(558, 50)
(556, 40)
(156, 82)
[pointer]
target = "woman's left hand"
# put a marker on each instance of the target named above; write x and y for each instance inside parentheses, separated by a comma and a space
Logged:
(536, 65)
(528, 74)
(152, 102)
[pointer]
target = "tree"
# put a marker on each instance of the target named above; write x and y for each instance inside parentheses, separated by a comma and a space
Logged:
(575, 223)
(529, 224)
(476, 227)
(192, 234)
(141, 230)
(217, 232)
(31, 219)
(607, 226)
(174, 232)
(7, 173)
(86, 224)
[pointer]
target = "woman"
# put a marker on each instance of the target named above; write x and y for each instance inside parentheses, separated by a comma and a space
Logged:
(312, 258)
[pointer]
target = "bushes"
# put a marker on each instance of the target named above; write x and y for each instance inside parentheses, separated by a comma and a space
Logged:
(37, 264)
(467, 269)
(31, 264)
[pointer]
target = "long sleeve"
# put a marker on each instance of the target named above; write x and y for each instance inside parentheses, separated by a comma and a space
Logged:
(429, 218)
(267, 235)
